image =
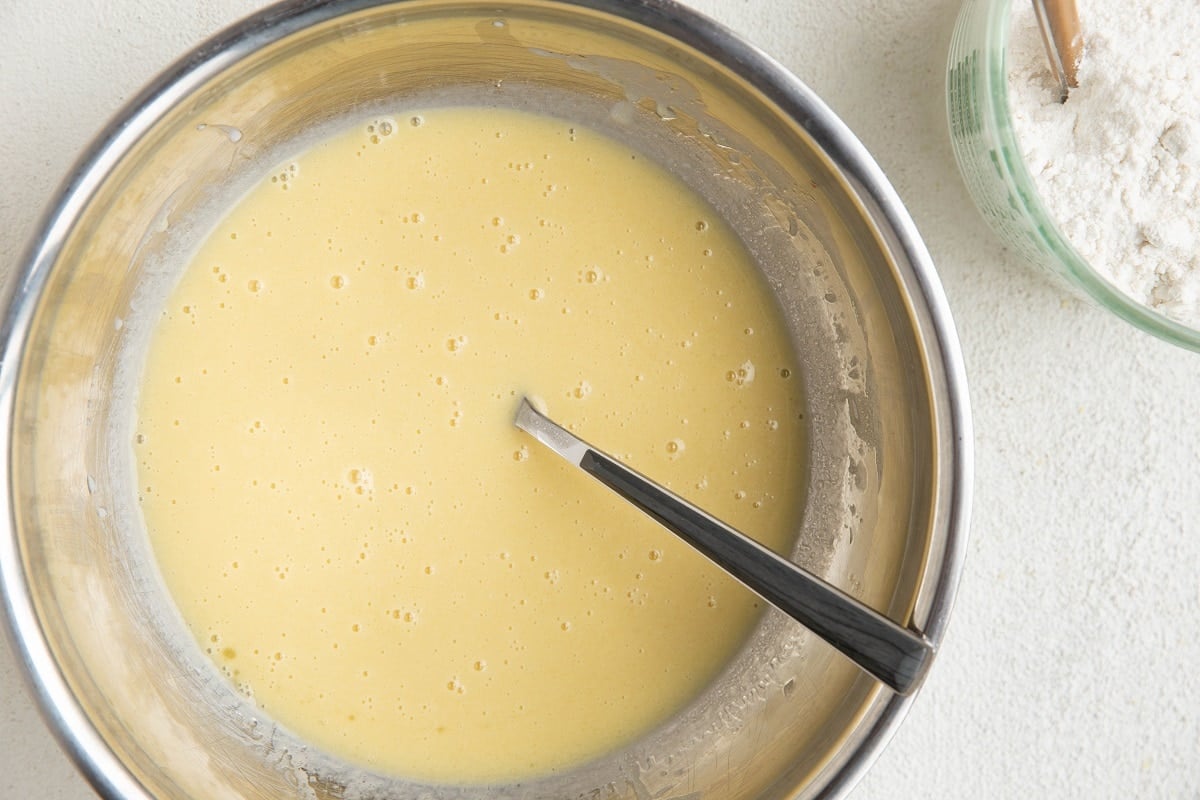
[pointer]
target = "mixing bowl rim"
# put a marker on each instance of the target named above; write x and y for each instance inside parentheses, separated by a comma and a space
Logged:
(59, 706)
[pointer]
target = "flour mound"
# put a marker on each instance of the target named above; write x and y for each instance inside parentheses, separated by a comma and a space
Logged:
(1118, 165)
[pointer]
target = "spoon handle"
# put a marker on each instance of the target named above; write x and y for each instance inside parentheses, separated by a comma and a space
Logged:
(895, 655)
(1059, 23)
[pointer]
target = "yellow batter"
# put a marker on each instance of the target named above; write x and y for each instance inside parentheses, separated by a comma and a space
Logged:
(336, 494)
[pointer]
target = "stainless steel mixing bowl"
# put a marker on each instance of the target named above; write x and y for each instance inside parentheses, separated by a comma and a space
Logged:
(128, 692)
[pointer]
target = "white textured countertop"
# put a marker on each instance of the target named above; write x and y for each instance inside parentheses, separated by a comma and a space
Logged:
(1070, 668)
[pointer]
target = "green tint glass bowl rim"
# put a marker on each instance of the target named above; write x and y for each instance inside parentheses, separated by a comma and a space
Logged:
(989, 35)
(62, 710)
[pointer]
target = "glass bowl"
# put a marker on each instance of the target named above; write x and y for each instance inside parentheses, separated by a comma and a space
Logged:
(989, 158)
(127, 689)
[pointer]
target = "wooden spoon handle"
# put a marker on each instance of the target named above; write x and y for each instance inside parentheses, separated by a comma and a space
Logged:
(1068, 40)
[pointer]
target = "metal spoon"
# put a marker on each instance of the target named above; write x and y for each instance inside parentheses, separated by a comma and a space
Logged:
(1059, 22)
(893, 654)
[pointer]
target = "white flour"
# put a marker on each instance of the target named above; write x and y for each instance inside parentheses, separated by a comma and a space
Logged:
(1118, 165)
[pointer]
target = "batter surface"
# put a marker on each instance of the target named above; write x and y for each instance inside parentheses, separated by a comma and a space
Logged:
(335, 492)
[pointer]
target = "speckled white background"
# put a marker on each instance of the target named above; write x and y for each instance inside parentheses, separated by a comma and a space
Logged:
(1070, 669)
